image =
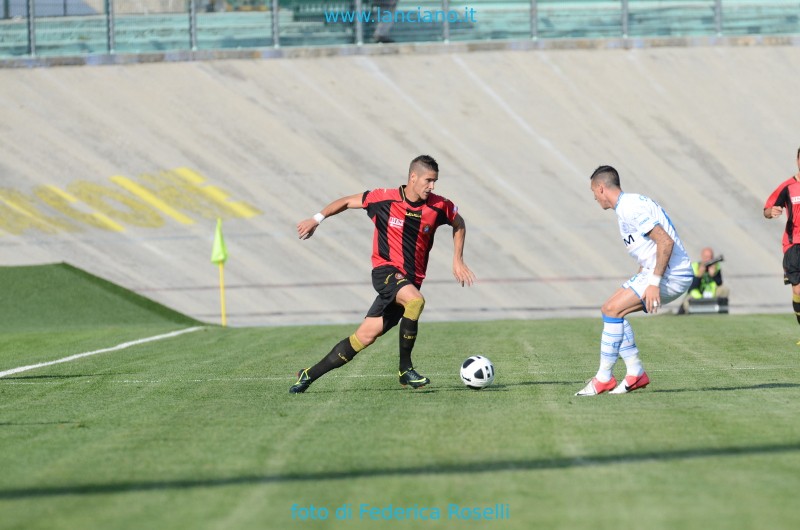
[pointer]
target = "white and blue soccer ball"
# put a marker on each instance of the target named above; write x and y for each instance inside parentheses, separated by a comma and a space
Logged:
(477, 372)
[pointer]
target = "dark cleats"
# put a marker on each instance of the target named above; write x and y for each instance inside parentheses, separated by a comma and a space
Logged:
(413, 379)
(302, 384)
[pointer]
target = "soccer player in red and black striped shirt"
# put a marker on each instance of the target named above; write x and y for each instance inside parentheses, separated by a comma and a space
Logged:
(405, 219)
(787, 196)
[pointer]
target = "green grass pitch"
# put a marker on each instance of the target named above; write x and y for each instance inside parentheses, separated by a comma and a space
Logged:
(199, 431)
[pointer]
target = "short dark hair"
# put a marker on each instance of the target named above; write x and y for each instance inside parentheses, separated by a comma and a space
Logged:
(425, 161)
(607, 174)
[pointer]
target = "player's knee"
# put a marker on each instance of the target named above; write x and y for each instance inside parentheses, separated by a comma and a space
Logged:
(413, 308)
(610, 309)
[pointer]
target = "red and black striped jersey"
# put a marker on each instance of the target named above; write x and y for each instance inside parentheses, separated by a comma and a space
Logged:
(404, 230)
(787, 195)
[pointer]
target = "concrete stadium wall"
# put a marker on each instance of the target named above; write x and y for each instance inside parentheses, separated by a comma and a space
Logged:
(122, 170)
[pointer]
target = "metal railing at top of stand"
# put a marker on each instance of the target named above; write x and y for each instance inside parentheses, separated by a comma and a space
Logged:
(270, 23)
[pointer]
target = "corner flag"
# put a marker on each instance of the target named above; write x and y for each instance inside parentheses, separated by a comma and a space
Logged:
(219, 255)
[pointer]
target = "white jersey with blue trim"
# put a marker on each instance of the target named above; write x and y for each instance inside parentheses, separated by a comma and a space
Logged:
(637, 216)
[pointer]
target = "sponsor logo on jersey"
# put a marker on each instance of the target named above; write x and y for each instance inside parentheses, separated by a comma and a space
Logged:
(395, 222)
(795, 200)
(413, 214)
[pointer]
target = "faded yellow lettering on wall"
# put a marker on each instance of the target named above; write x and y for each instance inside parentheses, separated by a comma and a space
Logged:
(15, 222)
(220, 197)
(22, 215)
(116, 204)
(184, 196)
(150, 200)
(62, 201)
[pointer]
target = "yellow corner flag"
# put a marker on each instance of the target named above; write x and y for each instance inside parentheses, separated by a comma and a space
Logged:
(219, 255)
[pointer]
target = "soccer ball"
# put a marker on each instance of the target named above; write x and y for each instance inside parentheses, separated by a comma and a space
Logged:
(477, 372)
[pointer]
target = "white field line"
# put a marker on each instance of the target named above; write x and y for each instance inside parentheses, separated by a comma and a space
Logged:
(104, 350)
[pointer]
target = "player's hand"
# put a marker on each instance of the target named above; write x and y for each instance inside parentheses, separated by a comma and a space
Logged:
(775, 211)
(462, 273)
(306, 228)
(652, 299)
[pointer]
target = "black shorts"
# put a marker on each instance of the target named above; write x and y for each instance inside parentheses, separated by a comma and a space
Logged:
(791, 265)
(387, 280)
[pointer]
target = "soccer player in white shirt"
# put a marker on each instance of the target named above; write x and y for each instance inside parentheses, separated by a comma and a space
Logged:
(665, 274)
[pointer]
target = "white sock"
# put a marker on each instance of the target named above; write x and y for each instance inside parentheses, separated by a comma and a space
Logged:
(629, 352)
(609, 347)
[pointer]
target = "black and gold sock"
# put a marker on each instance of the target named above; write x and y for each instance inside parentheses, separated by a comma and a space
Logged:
(408, 335)
(796, 305)
(340, 355)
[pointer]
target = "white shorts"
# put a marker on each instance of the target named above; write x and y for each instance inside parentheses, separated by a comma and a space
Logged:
(671, 287)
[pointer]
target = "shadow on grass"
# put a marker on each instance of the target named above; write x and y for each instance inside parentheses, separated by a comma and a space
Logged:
(436, 388)
(730, 388)
(423, 390)
(416, 472)
(505, 387)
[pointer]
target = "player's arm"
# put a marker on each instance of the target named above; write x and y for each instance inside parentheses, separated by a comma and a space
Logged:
(664, 245)
(779, 196)
(460, 270)
(306, 227)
